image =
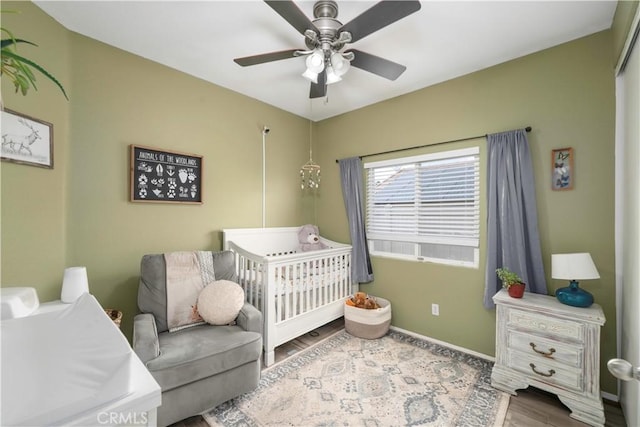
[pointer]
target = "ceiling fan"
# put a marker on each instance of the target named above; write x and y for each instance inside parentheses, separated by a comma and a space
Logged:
(325, 38)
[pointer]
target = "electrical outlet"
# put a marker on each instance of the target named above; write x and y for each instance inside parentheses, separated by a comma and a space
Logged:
(435, 309)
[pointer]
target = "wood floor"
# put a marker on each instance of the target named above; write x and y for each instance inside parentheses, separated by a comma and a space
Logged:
(530, 408)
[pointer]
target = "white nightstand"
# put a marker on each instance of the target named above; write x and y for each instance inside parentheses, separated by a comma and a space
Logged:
(543, 343)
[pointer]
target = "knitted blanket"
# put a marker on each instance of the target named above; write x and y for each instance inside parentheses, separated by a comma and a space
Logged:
(187, 274)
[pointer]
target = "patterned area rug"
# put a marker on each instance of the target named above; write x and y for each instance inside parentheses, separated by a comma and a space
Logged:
(396, 380)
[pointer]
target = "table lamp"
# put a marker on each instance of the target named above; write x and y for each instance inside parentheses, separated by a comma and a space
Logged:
(74, 284)
(573, 267)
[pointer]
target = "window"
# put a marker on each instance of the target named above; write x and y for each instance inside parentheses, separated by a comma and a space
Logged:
(425, 207)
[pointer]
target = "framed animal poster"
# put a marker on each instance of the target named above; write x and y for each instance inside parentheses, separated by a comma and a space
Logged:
(26, 140)
(164, 176)
(562, 175)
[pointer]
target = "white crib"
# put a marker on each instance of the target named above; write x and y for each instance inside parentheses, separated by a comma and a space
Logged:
(295, 291)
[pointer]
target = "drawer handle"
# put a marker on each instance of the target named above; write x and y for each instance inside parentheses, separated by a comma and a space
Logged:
(548, 354)
(533, 368)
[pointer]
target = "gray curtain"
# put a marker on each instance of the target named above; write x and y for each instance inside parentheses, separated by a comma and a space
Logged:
(512, 229)
(352, 192)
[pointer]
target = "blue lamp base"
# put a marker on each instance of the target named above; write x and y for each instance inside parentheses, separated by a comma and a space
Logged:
(574, 295)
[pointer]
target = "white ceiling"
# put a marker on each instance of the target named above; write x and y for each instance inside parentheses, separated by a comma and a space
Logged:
(443, 40)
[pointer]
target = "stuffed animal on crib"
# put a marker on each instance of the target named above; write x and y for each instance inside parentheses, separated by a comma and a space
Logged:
(309, 238)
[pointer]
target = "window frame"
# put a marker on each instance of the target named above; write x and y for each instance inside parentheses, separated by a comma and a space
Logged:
(416, 239)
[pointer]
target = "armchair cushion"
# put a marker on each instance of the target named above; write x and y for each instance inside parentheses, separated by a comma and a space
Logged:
(202, 351)
(220, 302)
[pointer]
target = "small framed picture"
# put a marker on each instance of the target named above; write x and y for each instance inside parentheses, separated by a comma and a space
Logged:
(26, 140)
(562, 174)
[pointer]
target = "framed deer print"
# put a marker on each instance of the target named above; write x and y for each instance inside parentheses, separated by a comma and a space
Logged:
(26, 140)
(562, 169)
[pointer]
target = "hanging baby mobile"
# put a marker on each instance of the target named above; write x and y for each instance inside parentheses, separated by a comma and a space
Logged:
(310, 172)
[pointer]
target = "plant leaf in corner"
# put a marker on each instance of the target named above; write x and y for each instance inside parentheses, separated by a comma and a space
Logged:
(17, 57)
(9, 42)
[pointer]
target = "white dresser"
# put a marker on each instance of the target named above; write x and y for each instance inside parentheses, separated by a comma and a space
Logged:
(543, 343)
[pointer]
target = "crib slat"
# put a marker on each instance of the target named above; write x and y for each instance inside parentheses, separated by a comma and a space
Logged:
(278, 294)
(300, 288)
(291, 288)
(308, 297)
(254, 292)
(331, 273)
(316, 295)
(247, 272)
(322, 291)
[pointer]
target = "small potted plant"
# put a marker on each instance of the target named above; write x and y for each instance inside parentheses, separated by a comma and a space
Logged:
(510, 280)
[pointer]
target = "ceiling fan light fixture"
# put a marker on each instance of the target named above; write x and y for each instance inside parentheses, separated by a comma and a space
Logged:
(339, 64)
(315, 61)
(311, 76)
(332, 76)
(325, 37)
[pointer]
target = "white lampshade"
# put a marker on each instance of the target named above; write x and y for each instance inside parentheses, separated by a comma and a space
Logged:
(332, 77)
(340, 64)
(315, 65)
(578, 266)
(74, 284)
(311, 76)
(315, 61)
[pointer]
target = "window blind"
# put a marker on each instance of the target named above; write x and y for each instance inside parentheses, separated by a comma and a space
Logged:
(425, 207)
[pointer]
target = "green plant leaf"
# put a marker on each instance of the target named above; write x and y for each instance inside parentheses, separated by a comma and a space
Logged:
(12, 40)
(26, 71)
(22, 83)
(9, 33)
(18, 58)
(16, 69)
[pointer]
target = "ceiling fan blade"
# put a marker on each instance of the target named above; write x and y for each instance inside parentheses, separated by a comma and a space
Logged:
(293, 15)
(318, 90)
(265, 57)
(379, 16)
(376, 65)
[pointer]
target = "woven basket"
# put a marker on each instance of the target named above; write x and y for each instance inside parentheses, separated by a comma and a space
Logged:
(115, 315)
(368, 324)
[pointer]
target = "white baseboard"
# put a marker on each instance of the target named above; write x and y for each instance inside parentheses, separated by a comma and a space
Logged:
(445, 344)
(604, 394)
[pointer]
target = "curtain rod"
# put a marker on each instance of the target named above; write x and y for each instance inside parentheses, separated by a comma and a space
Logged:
(528, 129)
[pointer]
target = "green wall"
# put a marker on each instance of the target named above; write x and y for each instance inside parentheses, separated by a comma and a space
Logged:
(79, 213)
(567, 95)
(33, 205)
(622, 21)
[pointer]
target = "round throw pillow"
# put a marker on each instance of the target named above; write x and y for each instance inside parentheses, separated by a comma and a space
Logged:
(220, 302)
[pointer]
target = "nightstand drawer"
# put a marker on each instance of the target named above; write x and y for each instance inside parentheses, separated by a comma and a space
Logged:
(546, 370)
(537, 347)
(549, 326)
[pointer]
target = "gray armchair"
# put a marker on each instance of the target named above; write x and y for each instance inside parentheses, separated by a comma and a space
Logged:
(200, 367)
